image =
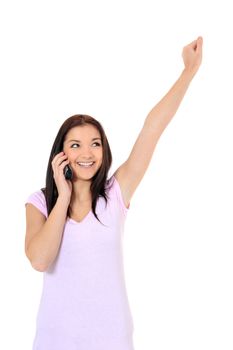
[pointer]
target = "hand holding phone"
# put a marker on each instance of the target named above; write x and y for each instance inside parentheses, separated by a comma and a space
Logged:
(61, 174)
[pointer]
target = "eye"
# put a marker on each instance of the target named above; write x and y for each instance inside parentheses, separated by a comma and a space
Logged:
(97, 143)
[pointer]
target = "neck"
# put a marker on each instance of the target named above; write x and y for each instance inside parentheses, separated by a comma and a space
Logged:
(81, 192)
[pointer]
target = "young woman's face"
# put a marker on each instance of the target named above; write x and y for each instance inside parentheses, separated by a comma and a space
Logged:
(83, 144)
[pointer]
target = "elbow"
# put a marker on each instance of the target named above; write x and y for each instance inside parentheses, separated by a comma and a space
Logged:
(35, 264)
(38, 267)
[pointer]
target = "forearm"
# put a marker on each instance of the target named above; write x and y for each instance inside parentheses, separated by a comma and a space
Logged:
(44, 247)
(161, 114)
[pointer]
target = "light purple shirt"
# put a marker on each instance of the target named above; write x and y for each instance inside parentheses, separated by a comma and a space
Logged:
(84, 303)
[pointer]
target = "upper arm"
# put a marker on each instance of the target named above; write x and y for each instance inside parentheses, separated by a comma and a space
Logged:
(34, 222)
(131, 172)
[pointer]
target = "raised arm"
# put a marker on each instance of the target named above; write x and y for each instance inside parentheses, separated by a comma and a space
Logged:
(131, 172)
(162, 113)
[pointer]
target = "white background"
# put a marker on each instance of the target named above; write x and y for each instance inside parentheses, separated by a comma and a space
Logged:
(115, 60)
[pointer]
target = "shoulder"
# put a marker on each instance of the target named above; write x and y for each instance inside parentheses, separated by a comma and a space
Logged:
(116, 192)
(37, 198)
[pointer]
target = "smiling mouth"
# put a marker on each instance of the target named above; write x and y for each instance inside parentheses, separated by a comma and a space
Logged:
(85, 164)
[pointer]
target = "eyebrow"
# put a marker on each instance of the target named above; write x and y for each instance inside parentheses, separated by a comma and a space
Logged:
(95, 138)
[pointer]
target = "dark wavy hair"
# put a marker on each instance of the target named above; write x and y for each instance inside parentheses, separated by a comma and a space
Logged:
(99, 184)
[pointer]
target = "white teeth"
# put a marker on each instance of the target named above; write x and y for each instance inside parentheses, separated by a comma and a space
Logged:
(86, 164)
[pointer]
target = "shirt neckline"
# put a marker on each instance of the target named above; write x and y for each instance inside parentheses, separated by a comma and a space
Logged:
(80, 222)
(90, 213)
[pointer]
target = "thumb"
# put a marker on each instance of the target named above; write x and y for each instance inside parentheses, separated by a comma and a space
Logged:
(199, 43)
(192, 45)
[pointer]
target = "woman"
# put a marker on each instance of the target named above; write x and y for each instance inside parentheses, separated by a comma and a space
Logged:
(75, 225)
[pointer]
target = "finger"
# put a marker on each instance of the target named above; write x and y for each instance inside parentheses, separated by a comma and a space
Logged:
(57, 162)
(196, 44)
(61, 159)
(58, 158)
(57, 155)
(193, 44)
(199, 44)
(60, 169)
(63, 164)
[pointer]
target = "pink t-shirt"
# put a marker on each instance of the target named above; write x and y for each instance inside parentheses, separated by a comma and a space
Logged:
(84, 303)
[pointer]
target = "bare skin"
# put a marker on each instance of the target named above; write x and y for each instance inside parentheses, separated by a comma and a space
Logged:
(43, 236)
(88, 148)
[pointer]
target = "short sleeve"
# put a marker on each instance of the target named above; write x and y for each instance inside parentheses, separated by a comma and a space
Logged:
(38, 200)
(119, 195)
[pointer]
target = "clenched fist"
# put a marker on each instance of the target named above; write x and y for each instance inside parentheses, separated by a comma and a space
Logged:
(192, 55)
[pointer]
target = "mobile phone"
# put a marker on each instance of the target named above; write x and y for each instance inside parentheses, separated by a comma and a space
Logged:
(68, 172)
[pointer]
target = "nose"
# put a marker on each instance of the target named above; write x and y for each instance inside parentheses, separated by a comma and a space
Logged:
(86, 153)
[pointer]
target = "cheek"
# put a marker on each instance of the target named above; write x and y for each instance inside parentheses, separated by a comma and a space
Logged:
(70, 153)
(65, 149)
(100, 157)
(100, 153)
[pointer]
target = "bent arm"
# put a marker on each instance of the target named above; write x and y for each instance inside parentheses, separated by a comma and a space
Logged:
(42, 245)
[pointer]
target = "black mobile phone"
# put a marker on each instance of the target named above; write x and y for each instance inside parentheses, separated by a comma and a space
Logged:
(68, 172)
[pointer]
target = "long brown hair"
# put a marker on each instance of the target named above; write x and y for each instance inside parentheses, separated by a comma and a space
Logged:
(98, 186)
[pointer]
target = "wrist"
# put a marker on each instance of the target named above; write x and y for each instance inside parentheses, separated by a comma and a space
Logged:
(63, 200)
(189, 73)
